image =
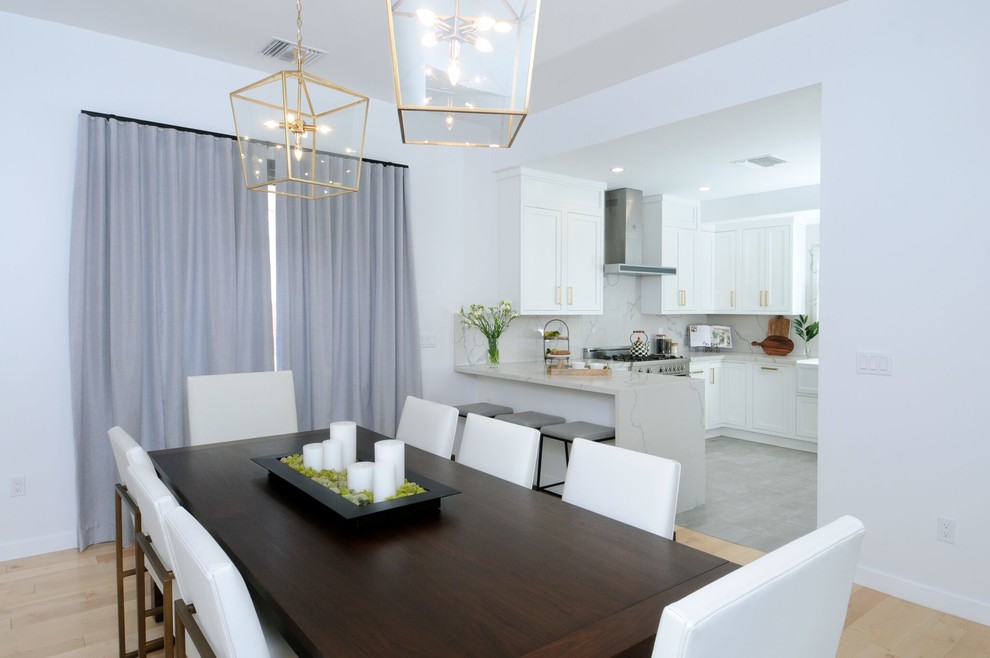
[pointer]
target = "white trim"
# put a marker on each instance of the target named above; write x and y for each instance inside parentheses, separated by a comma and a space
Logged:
(37, 546)
(929, 597)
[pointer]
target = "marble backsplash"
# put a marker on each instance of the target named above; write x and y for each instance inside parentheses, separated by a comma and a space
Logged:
(523, 341)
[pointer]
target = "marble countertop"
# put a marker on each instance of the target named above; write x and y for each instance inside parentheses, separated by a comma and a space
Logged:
(535, 373)
(790, 359)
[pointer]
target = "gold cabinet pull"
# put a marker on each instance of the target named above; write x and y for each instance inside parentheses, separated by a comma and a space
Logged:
(768, 298)
(732, 299)
(713, 376)
(768, 368)
(570, 295)
(682, 297)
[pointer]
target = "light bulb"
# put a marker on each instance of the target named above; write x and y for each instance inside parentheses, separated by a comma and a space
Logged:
(449, 120)
(324, 129)
(429, 40)
(426, 17)
(271, 124)
(483, 44)
(297, 153)
(484, 23)
(454, 72)
(503, 27)
(289, 117)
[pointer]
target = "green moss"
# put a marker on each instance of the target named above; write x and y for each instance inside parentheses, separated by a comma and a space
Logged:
(336, 481)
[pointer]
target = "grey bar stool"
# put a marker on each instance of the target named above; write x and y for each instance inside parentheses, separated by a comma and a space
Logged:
(487, 409)
(566, 433)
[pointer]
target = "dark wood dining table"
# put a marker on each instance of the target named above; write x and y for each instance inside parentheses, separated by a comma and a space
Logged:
(497, 570)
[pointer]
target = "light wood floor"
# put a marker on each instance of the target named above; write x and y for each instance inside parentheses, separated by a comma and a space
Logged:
(64, 604)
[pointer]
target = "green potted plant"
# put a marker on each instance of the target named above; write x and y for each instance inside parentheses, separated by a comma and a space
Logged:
(806, 331)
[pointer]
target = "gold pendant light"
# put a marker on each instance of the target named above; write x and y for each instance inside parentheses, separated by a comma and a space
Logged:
(462, 69)
(300, 135)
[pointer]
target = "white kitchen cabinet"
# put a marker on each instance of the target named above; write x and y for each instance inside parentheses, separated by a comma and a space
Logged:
(773, 389)
(711, 372)
(683, 246)
(806, 400)
(734, 394)
(723, 270)
(551, 242)
(806, 416)
(758, 267)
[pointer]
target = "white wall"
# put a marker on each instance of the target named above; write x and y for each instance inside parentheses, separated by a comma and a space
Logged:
(71, 70)
(904, 184)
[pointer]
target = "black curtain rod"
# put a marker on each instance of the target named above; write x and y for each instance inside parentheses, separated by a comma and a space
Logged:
(208, 133)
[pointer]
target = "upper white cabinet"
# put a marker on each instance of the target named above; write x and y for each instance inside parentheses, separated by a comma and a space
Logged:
(682, 245)
(769, 265)
(551, 242)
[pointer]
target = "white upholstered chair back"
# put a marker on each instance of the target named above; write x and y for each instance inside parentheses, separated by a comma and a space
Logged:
(210, 582)
(155, 502)
(626, 485)
(502, 449)
(126, 451)
(790, 602)
(428, 426)
(241, 405)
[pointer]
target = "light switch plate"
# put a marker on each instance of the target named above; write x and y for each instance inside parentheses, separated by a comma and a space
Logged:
(874, 363)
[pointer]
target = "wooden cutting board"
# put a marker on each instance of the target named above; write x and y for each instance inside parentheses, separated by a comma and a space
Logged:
(779, 326)
(776, 345)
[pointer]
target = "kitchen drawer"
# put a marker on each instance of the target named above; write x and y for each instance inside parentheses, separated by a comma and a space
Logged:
(807, 379)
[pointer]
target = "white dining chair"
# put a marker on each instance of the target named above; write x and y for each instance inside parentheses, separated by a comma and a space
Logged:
(626, 485)
(216, 609)
(127, 451)
(790, 602)
(241, 405)
(151, 546)
(499, 448)
(428, 426)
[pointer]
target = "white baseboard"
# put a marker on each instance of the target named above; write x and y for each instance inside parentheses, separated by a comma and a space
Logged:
(767, 439)
(37, 546)
(925, 595)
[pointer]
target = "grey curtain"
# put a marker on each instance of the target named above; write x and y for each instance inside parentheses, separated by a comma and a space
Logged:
(347, 321)
(169, 277)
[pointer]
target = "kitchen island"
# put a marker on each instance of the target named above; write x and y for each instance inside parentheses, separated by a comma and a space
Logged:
(656, 414)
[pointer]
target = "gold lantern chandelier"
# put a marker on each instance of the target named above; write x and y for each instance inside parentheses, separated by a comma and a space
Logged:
(300, 135)
(462, 69)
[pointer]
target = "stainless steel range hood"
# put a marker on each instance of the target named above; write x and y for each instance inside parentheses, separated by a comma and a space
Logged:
(624, 234)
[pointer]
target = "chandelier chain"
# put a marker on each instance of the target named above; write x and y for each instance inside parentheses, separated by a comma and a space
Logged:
(299, 50)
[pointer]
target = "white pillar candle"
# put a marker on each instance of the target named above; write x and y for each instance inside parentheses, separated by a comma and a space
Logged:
(384, 481)
(313, 456)
(361, 476)
(393, 451)
(346, 431)
(333, 455)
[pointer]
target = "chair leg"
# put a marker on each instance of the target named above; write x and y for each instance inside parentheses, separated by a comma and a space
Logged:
(539, 465)
(119, 550)
(142, 613)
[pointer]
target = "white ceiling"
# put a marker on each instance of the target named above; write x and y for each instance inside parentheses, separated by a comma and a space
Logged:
(582, 46)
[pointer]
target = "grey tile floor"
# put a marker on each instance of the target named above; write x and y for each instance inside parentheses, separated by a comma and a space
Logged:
(756, 495)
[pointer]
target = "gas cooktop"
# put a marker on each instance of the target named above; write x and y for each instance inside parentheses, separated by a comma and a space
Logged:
(622, 358)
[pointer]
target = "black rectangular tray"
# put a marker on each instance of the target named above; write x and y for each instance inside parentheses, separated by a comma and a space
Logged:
(358, 514)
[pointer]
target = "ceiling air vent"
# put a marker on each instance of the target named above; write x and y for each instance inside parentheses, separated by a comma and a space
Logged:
(762, 161)
(286, 51)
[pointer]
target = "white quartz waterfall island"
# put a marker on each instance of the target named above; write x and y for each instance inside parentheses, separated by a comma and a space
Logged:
(657, 414)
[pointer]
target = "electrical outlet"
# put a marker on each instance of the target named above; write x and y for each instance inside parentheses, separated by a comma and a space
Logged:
(17, 487)
(946, 530)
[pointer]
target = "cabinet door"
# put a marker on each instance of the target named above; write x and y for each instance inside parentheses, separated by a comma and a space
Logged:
(777, 273)
(724, 271)
(806, 417)
(704, 292)
(752, 256)
(583, 260)
(678, 249)
(733, 394)
(773, 399)
(713, 396)
(540, 285)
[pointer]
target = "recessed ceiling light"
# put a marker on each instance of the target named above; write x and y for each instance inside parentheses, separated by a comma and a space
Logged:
(617, 170)
(704, 188)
